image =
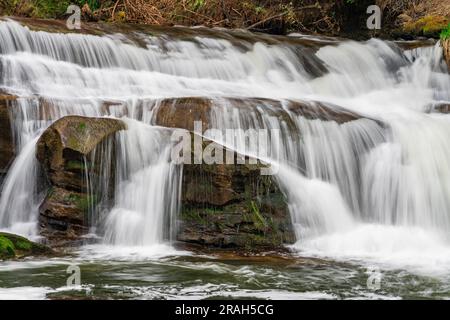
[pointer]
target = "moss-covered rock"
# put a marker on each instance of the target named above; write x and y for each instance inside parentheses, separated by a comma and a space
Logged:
(13, 246)
(429, 26)
(233, 206)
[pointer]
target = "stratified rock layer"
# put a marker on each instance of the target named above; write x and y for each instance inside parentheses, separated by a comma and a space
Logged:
(64, 150)
(233, 206)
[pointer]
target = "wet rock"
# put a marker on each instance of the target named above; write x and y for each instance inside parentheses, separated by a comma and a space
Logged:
(63, 147)
(14, 246)
(443, 108)
(233, 206)
(182, 112)
(65, 151)
(446, 48)
(439, 108)
(6, 139)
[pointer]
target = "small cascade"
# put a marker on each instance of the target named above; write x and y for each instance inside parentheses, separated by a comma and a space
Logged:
(310, 213)
(22, 191)
(20, 198)
(20, 194)
(147, 189)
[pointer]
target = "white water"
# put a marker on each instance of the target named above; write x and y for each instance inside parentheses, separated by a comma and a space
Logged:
(148, 188)
(358, 190)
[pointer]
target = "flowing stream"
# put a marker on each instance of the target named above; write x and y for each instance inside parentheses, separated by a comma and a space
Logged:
(373, 192)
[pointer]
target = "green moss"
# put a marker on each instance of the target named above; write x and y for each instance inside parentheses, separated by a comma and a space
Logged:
(23, 245)
(85, 203)
(193, 215)
(428, 26)
(14, 246)
(75, 165)
(82, 202)
(7, 248)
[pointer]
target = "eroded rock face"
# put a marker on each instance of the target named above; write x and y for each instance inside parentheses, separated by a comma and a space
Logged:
(7, 151)
(233, 206)
(64, 150)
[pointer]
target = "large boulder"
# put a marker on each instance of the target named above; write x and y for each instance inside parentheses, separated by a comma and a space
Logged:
(6, 140)
(13, 247)
(66, 153)
(233, 206)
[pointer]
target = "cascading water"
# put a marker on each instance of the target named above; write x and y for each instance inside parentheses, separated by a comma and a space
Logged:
(376, 186)
(147, 190)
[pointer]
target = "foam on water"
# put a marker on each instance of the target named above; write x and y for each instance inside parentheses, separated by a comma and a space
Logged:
(24, 293)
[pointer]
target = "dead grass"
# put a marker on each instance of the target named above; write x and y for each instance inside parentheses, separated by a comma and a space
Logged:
(252, 14)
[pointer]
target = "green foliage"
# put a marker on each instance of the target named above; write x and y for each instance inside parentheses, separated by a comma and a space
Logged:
(44, 8)
(259, 9)
(193, 215)
(197, 4)
(93, 4)
(50, 8)
(259, 220)
(445, 33)
(82, 202)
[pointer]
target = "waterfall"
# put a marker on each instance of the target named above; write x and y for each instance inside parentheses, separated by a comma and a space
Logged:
(375, 185)
(147, 189)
